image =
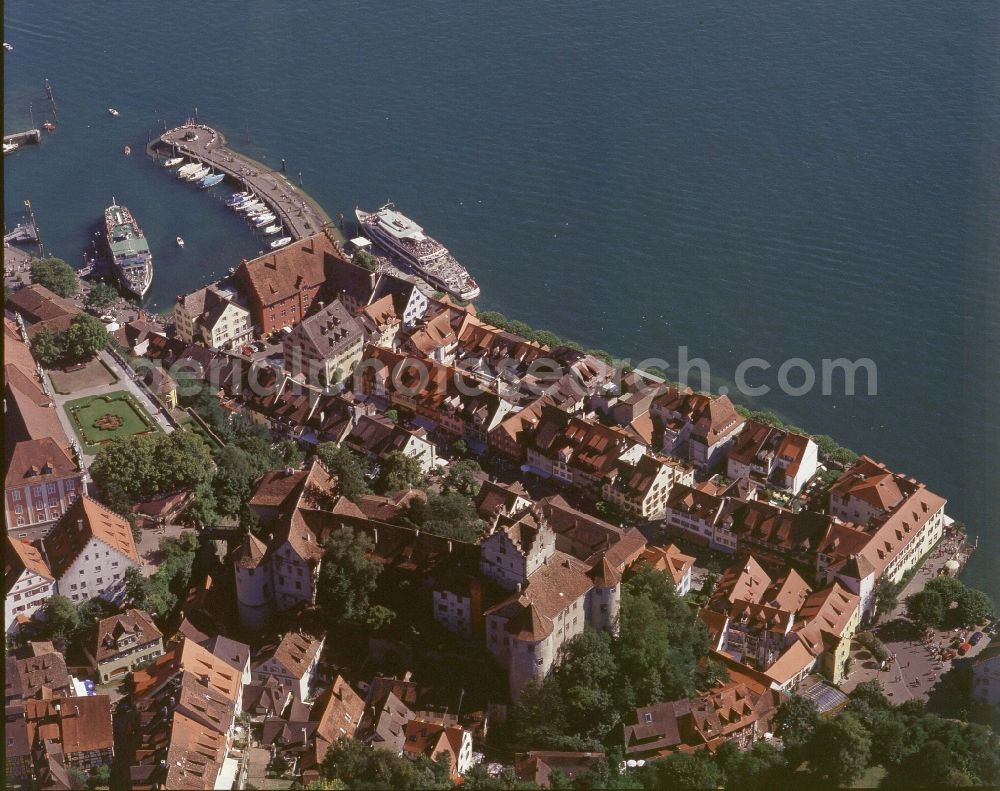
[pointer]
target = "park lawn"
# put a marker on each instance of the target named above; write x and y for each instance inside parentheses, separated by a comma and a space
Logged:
(83, 413)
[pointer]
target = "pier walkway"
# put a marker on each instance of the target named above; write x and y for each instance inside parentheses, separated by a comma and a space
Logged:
(24, 232)
(299, 213)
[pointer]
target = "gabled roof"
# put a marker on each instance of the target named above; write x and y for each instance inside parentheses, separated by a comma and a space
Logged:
(250, 553)
(20, 557)
(83, 520)
(278, 275)
(296, 653)
(744, 582)
(132, 623)
(340, 709)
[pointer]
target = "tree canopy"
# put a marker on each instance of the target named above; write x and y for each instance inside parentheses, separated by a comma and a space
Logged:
(346, 466)
(85, 337)
(347, 578)
(131, 469)
(102, 296)
(358, 766)
(399, 471)
(56, 275)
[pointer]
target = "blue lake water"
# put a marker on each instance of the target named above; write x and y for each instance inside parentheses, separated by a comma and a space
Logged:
(777, 180)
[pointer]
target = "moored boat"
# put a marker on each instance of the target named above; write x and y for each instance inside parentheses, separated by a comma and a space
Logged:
(173, 162)
(129, 249)
(272, 229)
(264, 219)
(239, 197)
(398, 234)
(113, 111)
(211, 180)
(198, 174)
(186, 170)
(180, 241)
(280, 242)
(250, 206)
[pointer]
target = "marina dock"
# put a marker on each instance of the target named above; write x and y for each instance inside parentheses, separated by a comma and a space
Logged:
(299, 213)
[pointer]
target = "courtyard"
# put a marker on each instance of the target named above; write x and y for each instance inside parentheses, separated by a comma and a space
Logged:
(99, 419)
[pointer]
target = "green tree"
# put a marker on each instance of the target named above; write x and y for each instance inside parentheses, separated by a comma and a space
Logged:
(660, 641)
(346, 466)
(290, 453)
(379, 617)
(100, 778)
(974, 607)
(392, 415)
(234, 477)
(347, 577)
(47, 347)
(926, 608)
(448, 514)
(102, 296)
(56, 275)
(399, 471)
(796, 721)
(886, 595)
(62, 619)
(143, 466)
(755, 769)
(930, 767)
(94, 610)
(838, 752)
(463, 477)
(459, 447)
(685, 772)
(358, 766)
(85, 337)
(587, 675)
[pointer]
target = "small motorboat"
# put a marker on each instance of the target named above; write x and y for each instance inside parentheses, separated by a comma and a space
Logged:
(8, 47)
(211, 180)
(48, 126)
(255, 213)
(173, 162)
(280, 242)
(272, 229)
(251, 206)
(239, 197)
(113, 111)
(264, 219)
(180, 241)
(128, 151)
(9, 147)
(188, 169)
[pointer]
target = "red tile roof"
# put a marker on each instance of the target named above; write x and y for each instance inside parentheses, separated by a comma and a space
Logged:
(84, 519)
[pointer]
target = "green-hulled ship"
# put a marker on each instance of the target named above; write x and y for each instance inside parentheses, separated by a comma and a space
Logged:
(129, 250)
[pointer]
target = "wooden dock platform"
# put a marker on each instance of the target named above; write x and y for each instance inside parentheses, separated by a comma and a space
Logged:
(299, 213)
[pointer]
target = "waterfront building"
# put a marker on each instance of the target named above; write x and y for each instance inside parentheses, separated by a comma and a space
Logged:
(29, 582)
(281, 286)
(696, 426)
(903, 519)
(41, 308)
(214, 317)
(89, 550)
(773, 457)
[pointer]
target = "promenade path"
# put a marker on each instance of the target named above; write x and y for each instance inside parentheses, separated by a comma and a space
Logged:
(916, 669)
(299, 213)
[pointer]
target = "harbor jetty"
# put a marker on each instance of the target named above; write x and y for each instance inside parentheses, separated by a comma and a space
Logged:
(21, 138)
(299, 213)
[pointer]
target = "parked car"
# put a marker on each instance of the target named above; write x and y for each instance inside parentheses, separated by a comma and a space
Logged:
(964, 649)
(974, 640)
(948, 655)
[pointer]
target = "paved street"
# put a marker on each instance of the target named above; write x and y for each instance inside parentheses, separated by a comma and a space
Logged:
(917, 667)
